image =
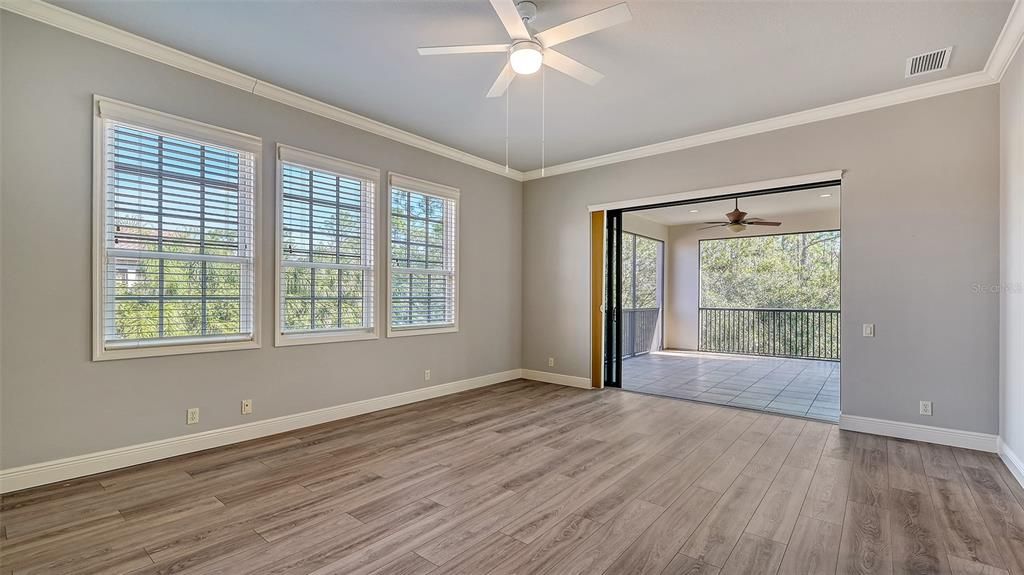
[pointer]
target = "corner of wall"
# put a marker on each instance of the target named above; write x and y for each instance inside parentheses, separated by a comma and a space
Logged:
(1011, 268)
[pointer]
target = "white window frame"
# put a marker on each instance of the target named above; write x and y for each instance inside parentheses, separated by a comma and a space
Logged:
(109, 109)
(297, 156)
(433, 189)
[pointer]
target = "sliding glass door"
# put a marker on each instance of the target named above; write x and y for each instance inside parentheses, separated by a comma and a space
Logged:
(613, 299)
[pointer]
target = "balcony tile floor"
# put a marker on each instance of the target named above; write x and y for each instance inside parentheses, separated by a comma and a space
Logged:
(803, 387)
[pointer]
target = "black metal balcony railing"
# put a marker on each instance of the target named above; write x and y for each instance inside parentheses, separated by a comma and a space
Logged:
(801, 333)
(639, 328)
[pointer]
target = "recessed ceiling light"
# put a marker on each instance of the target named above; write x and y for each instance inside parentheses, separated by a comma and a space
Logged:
(694, 211)
(825, 196)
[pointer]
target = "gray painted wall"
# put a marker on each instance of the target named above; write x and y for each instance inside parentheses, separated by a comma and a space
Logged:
(528, 252)
(1012, 251)
(937, 336)
(682, 319)
(57, 403)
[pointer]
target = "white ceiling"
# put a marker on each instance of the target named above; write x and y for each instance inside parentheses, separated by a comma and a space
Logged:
(677, 69)
(770, 207)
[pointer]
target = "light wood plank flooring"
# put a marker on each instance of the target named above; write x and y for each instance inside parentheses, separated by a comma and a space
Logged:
(525, 477)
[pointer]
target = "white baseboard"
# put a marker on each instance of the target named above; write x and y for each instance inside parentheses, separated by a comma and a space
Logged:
(79, 466)
(1013, 463)
(558, 378)
(939, 435)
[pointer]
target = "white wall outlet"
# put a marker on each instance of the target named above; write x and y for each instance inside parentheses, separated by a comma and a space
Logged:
(426, 375)
(551, 362)
(926, 408)
(869, 330)
(246, 406)
(192, 417)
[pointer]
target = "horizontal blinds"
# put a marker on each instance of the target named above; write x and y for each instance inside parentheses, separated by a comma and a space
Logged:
(423, 258)
(327, 255)
(178, 239)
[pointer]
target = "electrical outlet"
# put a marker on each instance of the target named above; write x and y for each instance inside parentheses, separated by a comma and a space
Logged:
(426, 375)
(551, 362)
(926, 408)
(869, 330)
(246, 406)
(192, 417)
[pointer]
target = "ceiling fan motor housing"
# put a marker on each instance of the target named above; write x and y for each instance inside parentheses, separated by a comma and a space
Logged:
(527, 10)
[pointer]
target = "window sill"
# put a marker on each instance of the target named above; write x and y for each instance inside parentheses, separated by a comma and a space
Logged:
(103, 354)
(426, 330)
(312, 338)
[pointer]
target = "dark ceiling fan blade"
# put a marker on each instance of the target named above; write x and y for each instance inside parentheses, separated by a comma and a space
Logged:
(714, 226)
(719, 223)
(762, 223)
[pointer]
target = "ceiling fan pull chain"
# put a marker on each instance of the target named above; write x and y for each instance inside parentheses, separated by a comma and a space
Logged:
(508, 96)
(543, 118)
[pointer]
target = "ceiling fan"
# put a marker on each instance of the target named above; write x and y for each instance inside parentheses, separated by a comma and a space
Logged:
(528, 52)
(738, 221)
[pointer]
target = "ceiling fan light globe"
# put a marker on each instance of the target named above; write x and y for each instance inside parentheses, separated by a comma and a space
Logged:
(526, 57)
(736, 228)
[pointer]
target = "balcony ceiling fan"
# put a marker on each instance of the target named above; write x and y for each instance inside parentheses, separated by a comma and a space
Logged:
(528, 52)
(738, 221)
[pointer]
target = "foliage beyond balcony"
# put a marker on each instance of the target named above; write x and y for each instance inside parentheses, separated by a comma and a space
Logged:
(774, 295)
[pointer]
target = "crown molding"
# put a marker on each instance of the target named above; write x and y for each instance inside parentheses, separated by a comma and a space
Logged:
(865, 104)
(1008, 42)
(106, 34)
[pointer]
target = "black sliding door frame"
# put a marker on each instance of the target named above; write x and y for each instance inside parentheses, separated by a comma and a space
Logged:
(613, 300)
(613, 267)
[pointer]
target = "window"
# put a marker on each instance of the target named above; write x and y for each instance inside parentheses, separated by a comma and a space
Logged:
(423, 281)
(175, 206)
(325, 249)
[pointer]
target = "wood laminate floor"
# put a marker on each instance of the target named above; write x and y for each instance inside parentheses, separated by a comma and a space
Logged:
(525, 477)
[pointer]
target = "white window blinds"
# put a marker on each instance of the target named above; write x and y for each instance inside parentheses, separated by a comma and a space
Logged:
(177, 233)
(326, 231)
(424, 256)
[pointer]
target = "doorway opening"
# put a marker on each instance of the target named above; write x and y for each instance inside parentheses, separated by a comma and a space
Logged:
(730, 299)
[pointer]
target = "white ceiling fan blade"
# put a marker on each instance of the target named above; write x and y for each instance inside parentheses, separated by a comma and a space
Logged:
(501, 84)
(510, 18)
(473, 49)
(571, 68)
(585, 25)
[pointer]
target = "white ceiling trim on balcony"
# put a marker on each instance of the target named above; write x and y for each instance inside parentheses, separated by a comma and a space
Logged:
(106, 34)
(1009, 40)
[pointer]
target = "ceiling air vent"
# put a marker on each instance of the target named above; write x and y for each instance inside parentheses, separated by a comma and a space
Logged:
(928, 63)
